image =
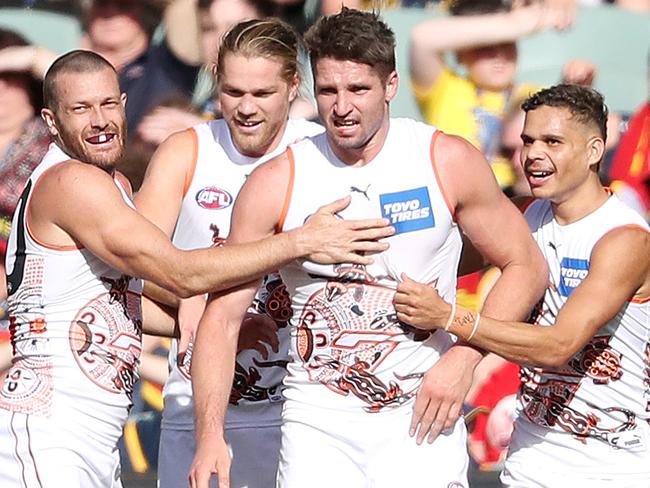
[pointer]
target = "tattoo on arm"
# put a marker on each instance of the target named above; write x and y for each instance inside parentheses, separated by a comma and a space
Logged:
(467, 319)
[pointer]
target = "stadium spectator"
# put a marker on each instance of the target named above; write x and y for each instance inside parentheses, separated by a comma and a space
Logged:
(122, 31)
(483, 35)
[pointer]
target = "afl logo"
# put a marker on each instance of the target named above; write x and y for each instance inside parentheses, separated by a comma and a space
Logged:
(213, 198)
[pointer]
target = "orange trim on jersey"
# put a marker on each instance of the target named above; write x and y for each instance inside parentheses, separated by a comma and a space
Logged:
(53, 247)
(445, 197)
(195, 157)
(640, 300)
(287, 197)
(631, 226)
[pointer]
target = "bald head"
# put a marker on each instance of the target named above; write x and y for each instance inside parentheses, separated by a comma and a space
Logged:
(77, 61)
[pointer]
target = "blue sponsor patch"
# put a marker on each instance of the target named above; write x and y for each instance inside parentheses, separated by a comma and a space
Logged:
(408, 210)
(572, 272)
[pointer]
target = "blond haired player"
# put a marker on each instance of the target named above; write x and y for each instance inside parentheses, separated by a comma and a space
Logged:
(74, 305)
(360, 382)
(189, 192)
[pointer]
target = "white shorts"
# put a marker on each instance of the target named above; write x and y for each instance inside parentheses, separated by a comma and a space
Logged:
(328, 450)
(532, 475)
(36, 452)
(254, 450)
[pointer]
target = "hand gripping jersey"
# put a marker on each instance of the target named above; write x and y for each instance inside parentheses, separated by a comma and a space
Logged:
(348, 350)
(590, 418)
(204, 220)
(75, 327)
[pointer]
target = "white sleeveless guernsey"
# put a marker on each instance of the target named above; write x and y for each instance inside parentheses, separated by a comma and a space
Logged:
(348, 350)
(75, 327)
(204, 220)
(589, 419)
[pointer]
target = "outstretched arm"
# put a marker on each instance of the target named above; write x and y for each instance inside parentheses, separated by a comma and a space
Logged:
(619, 272)
(121, 237)
(498, 231)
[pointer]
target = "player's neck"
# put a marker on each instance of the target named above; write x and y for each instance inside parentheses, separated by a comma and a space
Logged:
(579, 203)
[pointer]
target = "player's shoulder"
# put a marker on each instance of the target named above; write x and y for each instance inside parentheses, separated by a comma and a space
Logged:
(182, 140)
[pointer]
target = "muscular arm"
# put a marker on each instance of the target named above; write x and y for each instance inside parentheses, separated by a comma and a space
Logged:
(495, 228)
(619, 271)
(216, 341)
(124, 239)
(499, 232)
(161, 194)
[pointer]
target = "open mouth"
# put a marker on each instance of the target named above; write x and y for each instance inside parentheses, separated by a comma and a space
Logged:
(345, 123)
(538, 176)
(100, 139)
(248, 124)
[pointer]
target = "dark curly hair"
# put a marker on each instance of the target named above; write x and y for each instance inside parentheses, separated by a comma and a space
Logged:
(352, 35)
(585, 104)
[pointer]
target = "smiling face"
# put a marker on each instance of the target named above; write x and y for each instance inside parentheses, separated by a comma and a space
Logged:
(255, 101)
(88, 120)
(560, 153)
(353, 105)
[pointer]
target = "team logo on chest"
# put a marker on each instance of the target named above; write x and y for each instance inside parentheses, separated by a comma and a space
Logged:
(572, 272)
(408, 210)
(213, 198)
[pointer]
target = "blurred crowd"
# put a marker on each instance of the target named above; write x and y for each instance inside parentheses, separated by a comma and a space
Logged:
(463, 71)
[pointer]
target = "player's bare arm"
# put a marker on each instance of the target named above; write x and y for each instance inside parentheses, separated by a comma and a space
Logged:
(159, 200)
(499, 232)
(161, 195)
(619, 272)
(158, 320)
(216, 340)
(495, 227)
(124, 239)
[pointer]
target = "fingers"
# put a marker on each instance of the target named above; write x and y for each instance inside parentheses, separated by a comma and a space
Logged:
(369, 247)
(425, 418)
(376, 224)
(224, 478)
(335, 206)
(200, 478)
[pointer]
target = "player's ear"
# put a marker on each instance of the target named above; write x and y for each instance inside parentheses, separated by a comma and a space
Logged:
(123, 99)
(392, 83)
(595, 150)
(294, 86)
(48, 117)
